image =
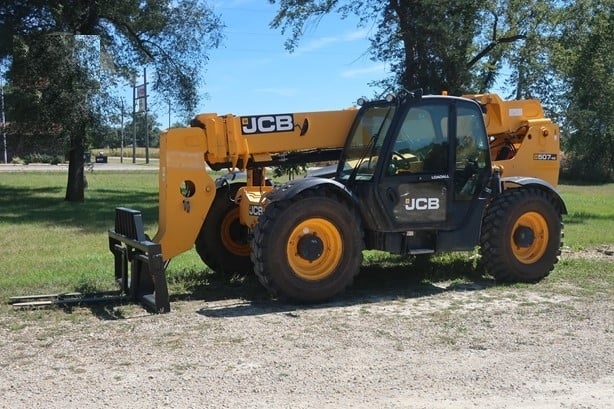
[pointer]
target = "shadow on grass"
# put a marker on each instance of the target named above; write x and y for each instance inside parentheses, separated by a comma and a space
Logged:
(575, 182)
(46, 206)
(583, 217)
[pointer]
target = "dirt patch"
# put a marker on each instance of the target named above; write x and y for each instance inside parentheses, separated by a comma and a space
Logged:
(605, 251)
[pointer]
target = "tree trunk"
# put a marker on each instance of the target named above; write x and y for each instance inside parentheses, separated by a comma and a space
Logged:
(75, 189)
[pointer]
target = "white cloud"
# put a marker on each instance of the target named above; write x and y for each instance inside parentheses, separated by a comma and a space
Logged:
(358, 72)
(323, 42)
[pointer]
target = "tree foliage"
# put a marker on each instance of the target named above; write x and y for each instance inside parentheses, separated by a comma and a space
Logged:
(438, 46)
(51, 99)
(171, 36)
(291, 171)
(586, 59)
(108, 136)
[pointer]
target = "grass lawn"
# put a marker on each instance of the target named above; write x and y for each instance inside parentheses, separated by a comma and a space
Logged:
(49, 245)
(590, 219)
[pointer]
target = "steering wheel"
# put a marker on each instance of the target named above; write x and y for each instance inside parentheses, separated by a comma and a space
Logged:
(400, 161)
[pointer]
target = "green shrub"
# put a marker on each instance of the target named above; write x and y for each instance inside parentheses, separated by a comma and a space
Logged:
(42, 158)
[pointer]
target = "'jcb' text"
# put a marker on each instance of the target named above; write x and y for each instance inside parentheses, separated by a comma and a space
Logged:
(254, 210)
(422, 203)
(267, 124)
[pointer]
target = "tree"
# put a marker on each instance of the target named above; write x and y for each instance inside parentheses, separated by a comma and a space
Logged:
(529, 61)
(105, 136)
(566, 55)
(172, 37)
(586, 62)
(178, 125)
(429, 44)
(51, 98)
(153, 130)
(289, 170)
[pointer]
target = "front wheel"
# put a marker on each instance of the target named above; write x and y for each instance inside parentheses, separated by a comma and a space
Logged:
(308, 248)
(223, 243)
(521, 235)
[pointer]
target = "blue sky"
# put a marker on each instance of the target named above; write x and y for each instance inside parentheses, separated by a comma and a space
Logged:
(252, 73)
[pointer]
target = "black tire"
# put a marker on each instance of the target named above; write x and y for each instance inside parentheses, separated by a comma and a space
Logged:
(521, 235)
(223, 243)
(309, 248)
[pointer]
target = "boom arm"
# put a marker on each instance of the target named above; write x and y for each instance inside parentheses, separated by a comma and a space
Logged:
(523, 141)
(235, 142)
(187, 191)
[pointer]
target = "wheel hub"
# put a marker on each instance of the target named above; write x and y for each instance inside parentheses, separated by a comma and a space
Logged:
(310, 247)
(524, 237)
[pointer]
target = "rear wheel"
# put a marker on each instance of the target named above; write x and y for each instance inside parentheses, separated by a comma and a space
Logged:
(521, 235)
(223, 243)
(308, 248)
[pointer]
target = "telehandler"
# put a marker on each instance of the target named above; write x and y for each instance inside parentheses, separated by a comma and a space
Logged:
(415, 174)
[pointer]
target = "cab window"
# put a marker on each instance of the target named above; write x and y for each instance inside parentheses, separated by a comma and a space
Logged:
(422, 143)
(471, 151)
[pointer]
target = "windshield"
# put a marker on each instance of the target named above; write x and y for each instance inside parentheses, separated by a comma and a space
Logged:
(362, 152)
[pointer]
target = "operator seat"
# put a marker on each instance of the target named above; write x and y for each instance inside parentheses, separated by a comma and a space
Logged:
(436, 159)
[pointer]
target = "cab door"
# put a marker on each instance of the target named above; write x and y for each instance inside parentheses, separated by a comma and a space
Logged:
(437, 165)
(416, 181)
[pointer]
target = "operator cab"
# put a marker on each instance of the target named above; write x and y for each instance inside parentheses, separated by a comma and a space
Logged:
(418, 166)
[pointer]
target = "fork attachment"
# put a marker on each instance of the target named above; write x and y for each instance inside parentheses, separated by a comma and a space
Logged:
(145, 280)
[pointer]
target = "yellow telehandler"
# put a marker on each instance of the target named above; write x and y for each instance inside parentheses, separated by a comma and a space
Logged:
(415, 174)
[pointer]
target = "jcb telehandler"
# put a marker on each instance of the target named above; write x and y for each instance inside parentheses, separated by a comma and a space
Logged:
(416, 174)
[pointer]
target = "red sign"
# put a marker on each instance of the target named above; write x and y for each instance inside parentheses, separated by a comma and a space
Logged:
(140, 91)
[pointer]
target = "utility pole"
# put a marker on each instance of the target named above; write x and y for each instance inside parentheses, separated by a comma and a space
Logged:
(134, 119)
(121, 150)
(146, 109)
(4, 124)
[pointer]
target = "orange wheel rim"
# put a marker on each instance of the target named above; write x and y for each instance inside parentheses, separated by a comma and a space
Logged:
(314, 249)
(535, 225)
(230, 228)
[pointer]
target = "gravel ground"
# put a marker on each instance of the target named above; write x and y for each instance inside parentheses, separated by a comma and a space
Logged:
(436, 346)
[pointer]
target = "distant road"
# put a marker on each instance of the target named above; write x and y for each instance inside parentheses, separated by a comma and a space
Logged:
(113, 165)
